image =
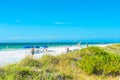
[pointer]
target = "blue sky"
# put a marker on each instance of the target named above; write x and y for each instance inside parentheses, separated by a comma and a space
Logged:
(35, 20)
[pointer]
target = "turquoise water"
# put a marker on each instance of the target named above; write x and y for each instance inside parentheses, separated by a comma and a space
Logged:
(21, 45)
(4, 46)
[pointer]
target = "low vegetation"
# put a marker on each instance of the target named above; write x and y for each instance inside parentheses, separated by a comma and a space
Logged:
(92, 63)
(113, 49)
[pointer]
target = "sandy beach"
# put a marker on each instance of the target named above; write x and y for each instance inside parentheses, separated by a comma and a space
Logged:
(13, 56)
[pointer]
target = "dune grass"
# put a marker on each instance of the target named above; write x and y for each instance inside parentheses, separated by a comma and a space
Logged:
(92, 63)
(113, 49)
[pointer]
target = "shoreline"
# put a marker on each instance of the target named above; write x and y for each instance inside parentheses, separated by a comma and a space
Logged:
(14, 56)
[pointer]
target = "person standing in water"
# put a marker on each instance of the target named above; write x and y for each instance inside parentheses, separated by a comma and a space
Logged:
(33, 51)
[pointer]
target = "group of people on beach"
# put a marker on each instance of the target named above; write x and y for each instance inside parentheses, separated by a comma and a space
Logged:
(33, 51)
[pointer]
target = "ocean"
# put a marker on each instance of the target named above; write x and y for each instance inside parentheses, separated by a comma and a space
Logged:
(7, 46)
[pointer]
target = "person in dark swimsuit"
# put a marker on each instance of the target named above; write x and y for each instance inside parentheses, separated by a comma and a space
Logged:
(33, 51)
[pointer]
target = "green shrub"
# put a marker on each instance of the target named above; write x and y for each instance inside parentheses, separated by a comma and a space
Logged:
(47, 60)
(100, 63)
(2, 73)
(52, 76)
(24, 73)
(30, 62)
(16, 72)
(93, 51)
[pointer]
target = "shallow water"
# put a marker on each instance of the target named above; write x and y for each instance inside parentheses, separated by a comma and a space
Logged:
(14, 46)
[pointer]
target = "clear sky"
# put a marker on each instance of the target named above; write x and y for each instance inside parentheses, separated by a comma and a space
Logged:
(35, 20)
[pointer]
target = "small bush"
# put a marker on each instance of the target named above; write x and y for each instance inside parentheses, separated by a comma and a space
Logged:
(93, 51)
(30, 62)
(2, 73)
(101, 63)
(24, 73)
(52, 76)
(47, 60)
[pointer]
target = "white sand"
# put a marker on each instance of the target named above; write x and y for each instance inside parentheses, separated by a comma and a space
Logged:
(13, 56)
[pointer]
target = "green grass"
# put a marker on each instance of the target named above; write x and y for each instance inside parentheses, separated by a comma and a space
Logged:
(92, 63)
